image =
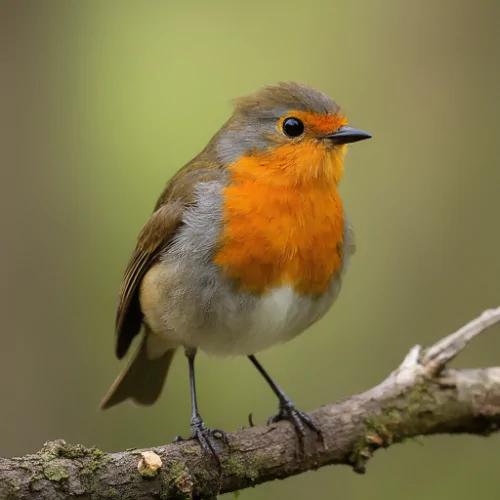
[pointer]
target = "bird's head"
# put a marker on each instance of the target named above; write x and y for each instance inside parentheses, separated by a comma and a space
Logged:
(290, 129)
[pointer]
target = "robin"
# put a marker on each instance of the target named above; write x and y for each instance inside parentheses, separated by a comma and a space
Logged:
(245, 249)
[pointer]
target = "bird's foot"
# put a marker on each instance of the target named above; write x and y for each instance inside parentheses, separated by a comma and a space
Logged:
(206, 437)
(299, 419)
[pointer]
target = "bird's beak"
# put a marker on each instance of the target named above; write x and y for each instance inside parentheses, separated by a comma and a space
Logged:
(345, 135)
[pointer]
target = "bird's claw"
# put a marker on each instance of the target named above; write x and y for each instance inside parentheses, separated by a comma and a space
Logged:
(206, 437)
(299, 419)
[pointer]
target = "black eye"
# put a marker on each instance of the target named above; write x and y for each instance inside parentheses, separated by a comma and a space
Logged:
(293, 127)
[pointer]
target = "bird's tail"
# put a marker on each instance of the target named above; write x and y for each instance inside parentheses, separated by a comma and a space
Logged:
(142, 380)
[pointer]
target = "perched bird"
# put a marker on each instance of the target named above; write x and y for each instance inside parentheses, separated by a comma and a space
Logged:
(245, 249)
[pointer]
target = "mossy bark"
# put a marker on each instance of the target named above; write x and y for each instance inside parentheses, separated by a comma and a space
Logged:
(457, 402)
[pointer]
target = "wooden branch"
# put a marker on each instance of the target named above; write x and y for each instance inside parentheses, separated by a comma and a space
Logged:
(421, 397)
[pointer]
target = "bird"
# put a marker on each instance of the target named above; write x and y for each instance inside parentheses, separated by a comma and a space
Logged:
(246, 248)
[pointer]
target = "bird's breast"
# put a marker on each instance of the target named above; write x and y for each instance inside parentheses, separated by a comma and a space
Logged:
(281, 235)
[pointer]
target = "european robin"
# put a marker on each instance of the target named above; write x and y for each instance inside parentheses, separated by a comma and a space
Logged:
(246, 247)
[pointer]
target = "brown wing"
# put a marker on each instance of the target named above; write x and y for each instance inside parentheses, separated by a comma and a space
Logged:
(155, 236)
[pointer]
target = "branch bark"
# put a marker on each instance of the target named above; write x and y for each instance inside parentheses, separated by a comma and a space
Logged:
(421, 397)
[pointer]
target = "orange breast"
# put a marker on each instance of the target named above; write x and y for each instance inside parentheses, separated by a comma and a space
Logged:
(283, 221)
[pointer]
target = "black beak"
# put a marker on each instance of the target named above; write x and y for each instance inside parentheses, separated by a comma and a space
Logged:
(345, 135)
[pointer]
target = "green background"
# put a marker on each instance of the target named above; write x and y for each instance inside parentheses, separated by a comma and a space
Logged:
(102, 101)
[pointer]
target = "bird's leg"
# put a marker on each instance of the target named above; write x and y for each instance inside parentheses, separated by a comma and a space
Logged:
(198, 429)
(287, 410)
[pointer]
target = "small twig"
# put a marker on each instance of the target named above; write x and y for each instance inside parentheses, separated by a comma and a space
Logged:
(441, 353)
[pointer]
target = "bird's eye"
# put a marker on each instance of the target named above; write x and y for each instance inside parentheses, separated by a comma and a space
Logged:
(293, 127)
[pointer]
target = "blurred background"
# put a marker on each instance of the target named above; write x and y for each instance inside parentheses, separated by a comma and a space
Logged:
(101, 102)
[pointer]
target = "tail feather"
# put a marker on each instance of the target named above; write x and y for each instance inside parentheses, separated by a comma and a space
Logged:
(142, 380)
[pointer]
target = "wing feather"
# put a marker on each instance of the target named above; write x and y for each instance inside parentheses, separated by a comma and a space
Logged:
(154, 238)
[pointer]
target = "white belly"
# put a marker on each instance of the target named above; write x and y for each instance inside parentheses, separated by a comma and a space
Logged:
(221, 321)
(277, 317)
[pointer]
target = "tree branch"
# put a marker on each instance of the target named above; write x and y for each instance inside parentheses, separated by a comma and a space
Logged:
(421, 397)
